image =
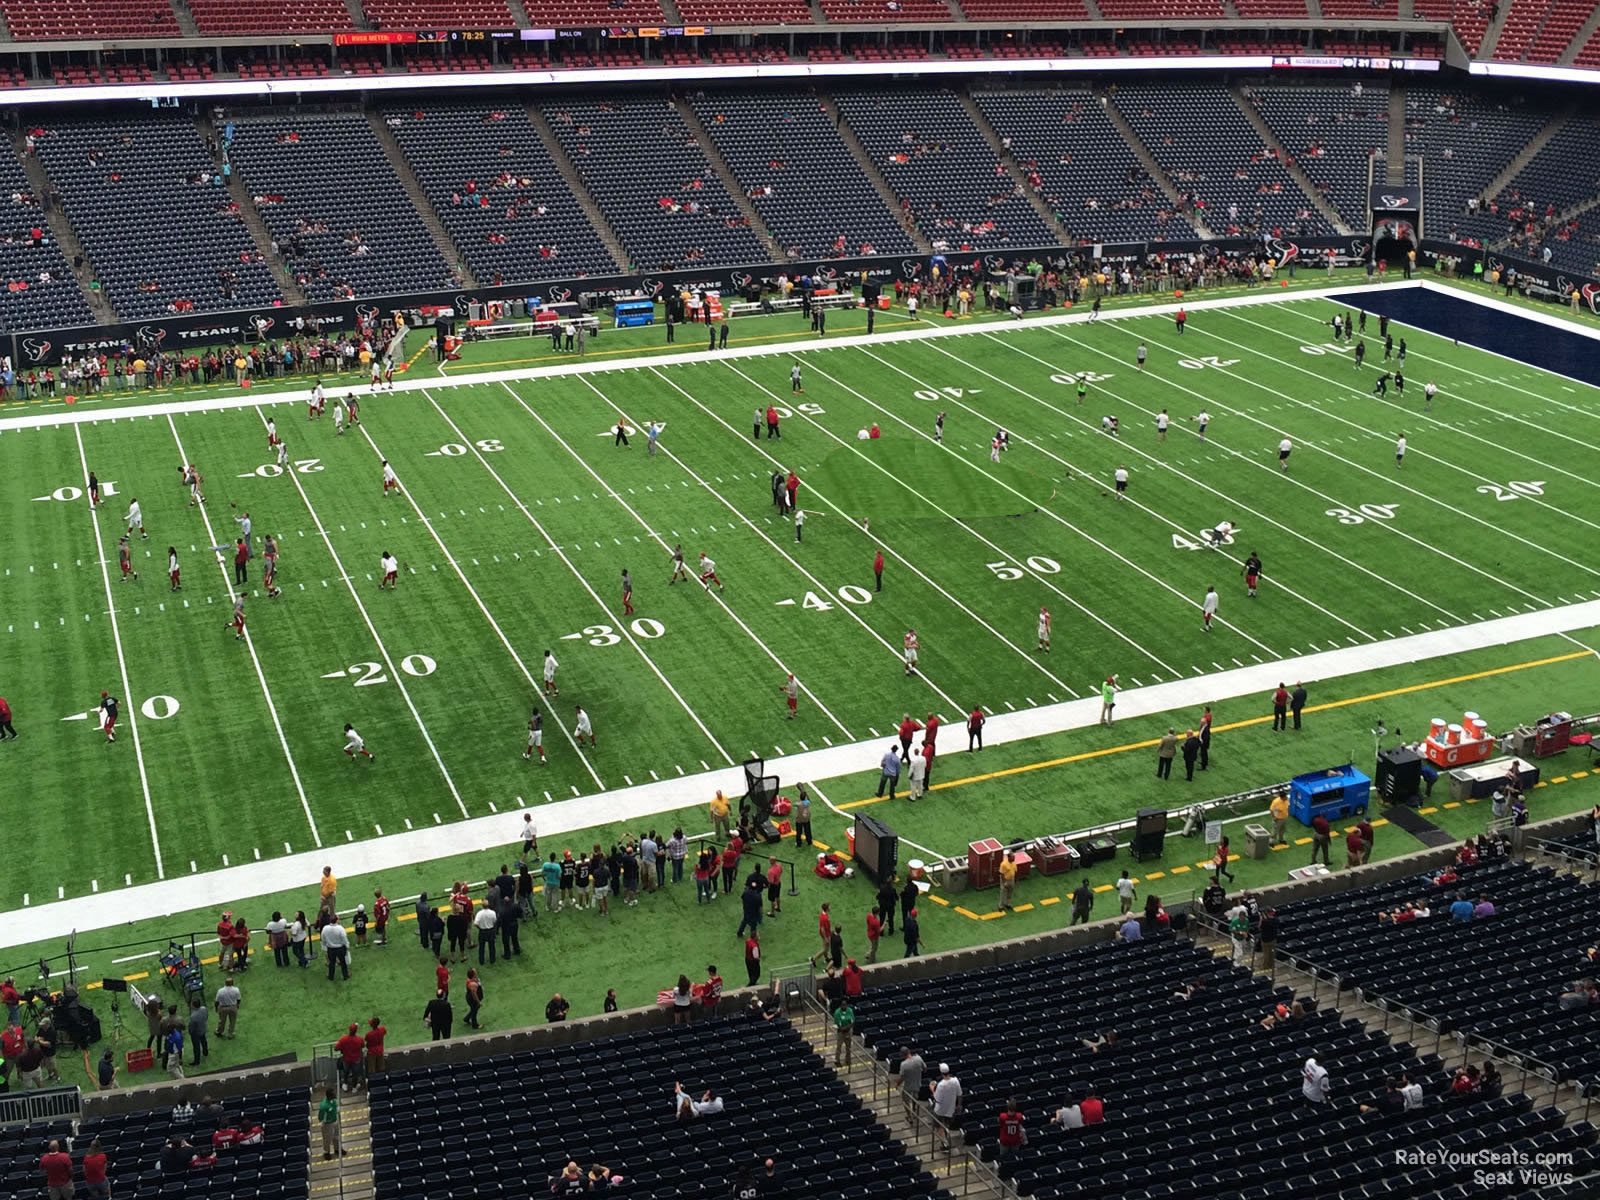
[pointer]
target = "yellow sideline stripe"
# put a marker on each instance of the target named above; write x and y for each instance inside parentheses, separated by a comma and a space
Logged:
(1149, 743)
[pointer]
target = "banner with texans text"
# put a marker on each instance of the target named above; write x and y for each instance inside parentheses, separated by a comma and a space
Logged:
(1533, 278)
(196, 331)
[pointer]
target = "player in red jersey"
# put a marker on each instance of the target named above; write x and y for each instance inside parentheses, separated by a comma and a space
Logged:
(708, 573)
(108, 716)
(125, 560)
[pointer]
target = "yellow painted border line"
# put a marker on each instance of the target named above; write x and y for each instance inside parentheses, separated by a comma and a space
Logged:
(1150, 743)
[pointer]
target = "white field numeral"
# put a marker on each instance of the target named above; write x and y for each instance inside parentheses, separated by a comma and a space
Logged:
(1514, 490)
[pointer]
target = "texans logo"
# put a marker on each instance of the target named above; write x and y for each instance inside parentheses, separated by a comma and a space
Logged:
(1564, 285)
(561, 294)
(650, 287)
(1397, 201)
(1494, 264)
(37, 348)
(366, 312)
(909, 266)
(1591, 297)
(152, 333)
(1283, 251)
(828, 273)
(995, 262)
(741, 279)
(463, 304)
(261, 323)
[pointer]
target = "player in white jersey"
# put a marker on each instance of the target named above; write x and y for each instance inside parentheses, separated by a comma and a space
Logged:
(1220, 534)
(338, 418)
(192, 477)
(174, 574)
(136, 519)
(318, 401)
(1201, 420)
(1121, 478)
(583, 729)
(354, 744)
(909, 650)
(388, 372)
(272, 433)
(391, 571)
(1142, 354)
(1400, 451)
(283, 455)
(1428, 393)
(1208, 609)
(708, 573)
(1162, 421)
(390, 482)
(1285, 448)
(550, 668)
(377, 371)
(1044, 629)
(535, 736)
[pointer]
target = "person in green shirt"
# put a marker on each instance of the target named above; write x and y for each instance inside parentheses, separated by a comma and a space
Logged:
(844, 1026)
(328, 1119)
(1108, 699)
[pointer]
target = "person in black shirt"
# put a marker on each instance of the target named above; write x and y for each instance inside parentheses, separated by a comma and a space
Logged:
(886, 905)
(435, 931)
(744, 1188)
(509, 914)
(909, 895)
(569, 878)
(584, 881)
(438, 1016)
(506, 884)
(557, 1009)
(836, 949)
(610, 1005)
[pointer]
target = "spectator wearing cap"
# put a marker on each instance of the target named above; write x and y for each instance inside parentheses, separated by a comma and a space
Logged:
(352, 1050)
(945, 1095)
(854, 979)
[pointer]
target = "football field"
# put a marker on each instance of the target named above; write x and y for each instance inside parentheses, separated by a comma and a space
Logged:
(518, 512)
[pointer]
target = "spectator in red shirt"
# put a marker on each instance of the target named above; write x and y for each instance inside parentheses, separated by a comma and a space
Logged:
(874, 932)
(1013, 1136)
(380, 916)
(352, 1051)
(57, 1167)
(374, 1042)
(824, 932)
(441, 976)
(1094, 1112)
(225, 941)
(1354, 848)
(854, 978)
(730, 864)
(1321, 838)
(1280, 709)
(975, 729)
(95, 1180)
(877, 569)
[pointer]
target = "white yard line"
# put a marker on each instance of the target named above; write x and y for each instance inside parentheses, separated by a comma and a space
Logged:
(250, 644)
(872, 538)
(394, 671)
(535, 685)
(593, 595)
(1290, 477)
(1169, 524)
(128, 699)
(657, 538)
(1229, 501)
(293, 872)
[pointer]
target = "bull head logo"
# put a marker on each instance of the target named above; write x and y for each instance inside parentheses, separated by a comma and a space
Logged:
(155, 334)
(1591, 297)
(463, 304)
(366, 312)
(37, 349)
(651, 287)
(909, 266)
(561, 294)
(995, 262)
(741, 279)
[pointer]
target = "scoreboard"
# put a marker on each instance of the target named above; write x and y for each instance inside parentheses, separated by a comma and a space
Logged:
(409, 37)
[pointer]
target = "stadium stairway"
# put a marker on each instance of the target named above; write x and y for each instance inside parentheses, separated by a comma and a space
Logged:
(419, 199)
(736, 192)
(1580, 39)
(257, 228)
(349, 1178)
(952, 1168)
(870, 169)
(1296, 171)
(1013, 168)
(1524, 156)
(558, 157)
(1394, 162)
(60, 228)
(1491, 34)
(519, 14)
(1152, 167)
(358, 18)
(186, 21)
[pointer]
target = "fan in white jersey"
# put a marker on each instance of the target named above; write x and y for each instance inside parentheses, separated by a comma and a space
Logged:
(550, 667)
(391, 571)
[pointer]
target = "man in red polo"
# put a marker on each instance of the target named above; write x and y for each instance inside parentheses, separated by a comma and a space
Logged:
(1094, 1112)
(352, 1050)
(1321, 838)
(374, 1043)
(57, 1167)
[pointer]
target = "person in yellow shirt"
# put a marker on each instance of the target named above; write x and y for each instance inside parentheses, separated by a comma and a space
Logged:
(330, 890)
(1280, 819)
(719, 815)
(1008, 880)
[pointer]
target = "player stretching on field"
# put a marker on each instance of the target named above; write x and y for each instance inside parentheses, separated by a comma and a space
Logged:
(390, 482)
(583, 729)
(708, 573)
(173, 574)
(125, 561)
(108, 716)
(354, 745)
(550, 666)
(391, 571)
(237, 623)
(535, 736)
(791, 694)
(627, 593)
(1221, 534)
(1044, 629)
(135, 519)
(679, 571)
(910, 651)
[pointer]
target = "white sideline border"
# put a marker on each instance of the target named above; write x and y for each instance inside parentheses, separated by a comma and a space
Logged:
(271, 877)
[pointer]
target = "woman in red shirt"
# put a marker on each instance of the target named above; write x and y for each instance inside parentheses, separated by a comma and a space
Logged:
(95, 1182)
(374, 1039)
(730, 865)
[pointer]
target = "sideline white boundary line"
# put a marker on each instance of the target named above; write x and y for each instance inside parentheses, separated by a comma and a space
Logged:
(122, 662)
(272, 877)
